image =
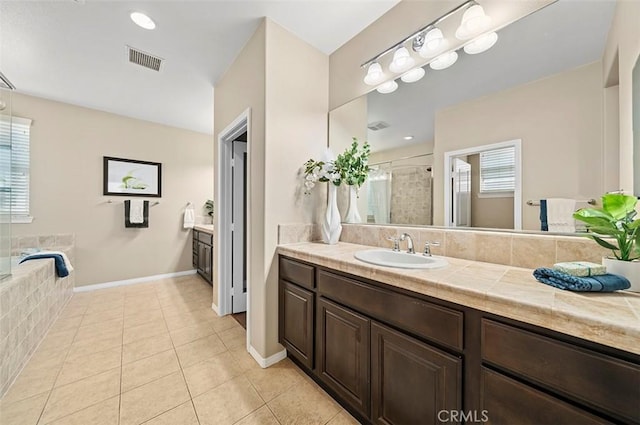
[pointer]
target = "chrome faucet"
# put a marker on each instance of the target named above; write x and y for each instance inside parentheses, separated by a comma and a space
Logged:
(409, 240)
(396, 243)
(427, 248)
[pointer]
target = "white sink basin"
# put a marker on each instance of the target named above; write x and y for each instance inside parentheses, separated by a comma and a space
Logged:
(402, 260)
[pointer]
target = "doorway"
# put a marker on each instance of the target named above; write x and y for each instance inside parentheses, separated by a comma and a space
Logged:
(461, 196)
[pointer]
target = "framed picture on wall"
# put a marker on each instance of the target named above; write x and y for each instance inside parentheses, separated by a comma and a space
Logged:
(129, 177)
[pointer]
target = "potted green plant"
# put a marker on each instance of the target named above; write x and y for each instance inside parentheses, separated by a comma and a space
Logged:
(615, 227)
(353, 166)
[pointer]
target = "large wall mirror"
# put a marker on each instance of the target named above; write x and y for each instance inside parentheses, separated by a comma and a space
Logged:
(542, 84)
(636, 128)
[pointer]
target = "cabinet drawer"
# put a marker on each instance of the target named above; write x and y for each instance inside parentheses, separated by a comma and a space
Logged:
(422, 318)
(205, 238)
(505, 401)
(299, 273)
(611, 385)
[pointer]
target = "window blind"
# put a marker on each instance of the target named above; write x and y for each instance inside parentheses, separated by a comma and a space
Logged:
(14, 165)
(498, 170)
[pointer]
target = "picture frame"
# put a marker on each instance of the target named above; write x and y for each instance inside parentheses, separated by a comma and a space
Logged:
(130, 177)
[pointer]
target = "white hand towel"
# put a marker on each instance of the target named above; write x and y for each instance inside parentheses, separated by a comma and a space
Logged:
(560, 215)
(67, 263)
(136, 211)
(189, 217)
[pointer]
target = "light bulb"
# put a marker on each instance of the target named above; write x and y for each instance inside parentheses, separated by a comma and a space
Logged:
(402, 61)
(444, 61)
(412, 76)
(374, 75)
(388, 87)
(474, 22)
(434, 43)
(143, 20)
(481, 44)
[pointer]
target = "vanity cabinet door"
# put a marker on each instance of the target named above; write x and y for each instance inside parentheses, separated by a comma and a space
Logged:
(296, 322)
(411, 382)
(343, 353)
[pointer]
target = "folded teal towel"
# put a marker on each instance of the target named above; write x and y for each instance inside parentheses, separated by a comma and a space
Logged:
(603, 283)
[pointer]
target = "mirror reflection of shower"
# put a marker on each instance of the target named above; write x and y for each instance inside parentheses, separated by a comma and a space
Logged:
(6, 89)
(401, 191)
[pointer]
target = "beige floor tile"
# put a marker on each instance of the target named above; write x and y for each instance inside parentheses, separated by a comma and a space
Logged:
(145, 347)
(156, 327)
(56, 341)
(81, 394)
(82, 367)
(30, 382)
(303, 403)
(199, 350)
(99, 330)
(262, 416)
(274, 380)
(99, 306)
(94, 345)
(104, 413)
(46, 359)
(223, 323)
(181, 415)
(140, 317)
(244, 359)
(189, 334)
(66, 324)
(227, 403)
(234, 337)
(149, 369)
(204, 376)
(23, 412)
(343, 418)
(153, 399)
(102, 316)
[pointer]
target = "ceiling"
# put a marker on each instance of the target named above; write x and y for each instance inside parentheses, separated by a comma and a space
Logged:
(560, 37)
(74, 50)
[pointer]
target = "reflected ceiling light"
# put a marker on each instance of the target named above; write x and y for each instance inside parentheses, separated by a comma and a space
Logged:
(434, 43)
(474, 22)
(374, 75)
(142, 20)
(444, 61)
(408, 137)
(402, 61)
(412, 76)
(481, 44)
(388, 87)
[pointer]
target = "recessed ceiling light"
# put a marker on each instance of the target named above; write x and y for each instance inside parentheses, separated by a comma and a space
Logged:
(408, 137)
(143, 20)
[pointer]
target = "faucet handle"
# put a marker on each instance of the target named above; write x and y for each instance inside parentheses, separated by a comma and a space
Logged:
(395, 241)
(427, 247)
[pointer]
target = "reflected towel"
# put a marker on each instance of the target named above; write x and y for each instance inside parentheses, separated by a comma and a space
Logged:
(603, 283)
(560, 215)
(127, 214)
(62, 263)
(136, 211)
(189, 217)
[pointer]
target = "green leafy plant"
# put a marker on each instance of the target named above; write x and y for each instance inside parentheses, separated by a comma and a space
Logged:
(352, 164)
(615, 220)
(131, 182)
(209, 207)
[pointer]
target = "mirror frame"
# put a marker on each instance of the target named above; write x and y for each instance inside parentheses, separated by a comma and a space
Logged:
(517, 193)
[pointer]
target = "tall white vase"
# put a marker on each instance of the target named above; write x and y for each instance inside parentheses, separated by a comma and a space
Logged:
(353, 216)
(331, 227)
(628, 269)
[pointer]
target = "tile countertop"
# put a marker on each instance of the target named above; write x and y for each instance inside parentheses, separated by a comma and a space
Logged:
(611, 319)
(206, 228)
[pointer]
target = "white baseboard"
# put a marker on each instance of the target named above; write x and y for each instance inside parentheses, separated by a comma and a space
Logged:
(215, 308)
(269, 361)
(132, 281)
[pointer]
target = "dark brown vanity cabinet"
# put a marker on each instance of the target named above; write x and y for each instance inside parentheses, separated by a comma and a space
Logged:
(203, 254)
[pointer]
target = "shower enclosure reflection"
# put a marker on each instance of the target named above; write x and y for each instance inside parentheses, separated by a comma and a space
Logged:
(5, 178)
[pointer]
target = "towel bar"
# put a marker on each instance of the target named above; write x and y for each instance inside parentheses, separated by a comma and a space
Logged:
(152, 205)
(584, 201)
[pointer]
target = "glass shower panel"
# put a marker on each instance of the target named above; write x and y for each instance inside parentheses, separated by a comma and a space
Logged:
(5, 183)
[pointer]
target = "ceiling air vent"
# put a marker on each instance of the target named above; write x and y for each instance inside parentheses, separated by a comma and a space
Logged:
(144, 59)
(378, 125)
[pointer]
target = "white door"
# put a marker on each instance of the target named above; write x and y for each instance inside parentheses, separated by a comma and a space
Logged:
(461, 196)
(239, 236)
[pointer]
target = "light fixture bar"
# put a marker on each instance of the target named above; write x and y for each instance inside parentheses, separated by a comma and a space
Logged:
(4, 81)
(418, 32)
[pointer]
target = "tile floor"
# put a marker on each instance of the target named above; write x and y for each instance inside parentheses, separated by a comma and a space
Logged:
(156, 353)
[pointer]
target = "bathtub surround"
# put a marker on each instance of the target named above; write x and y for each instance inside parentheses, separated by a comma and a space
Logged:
(69, 199)
(30, 301)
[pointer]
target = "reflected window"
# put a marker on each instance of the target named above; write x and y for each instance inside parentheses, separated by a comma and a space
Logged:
(14, 163)
(498, 171)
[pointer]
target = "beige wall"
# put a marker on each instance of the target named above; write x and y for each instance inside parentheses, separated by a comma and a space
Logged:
(489, 212)
(623, 44)
(560, 122)
(289, 103)
(67, 146)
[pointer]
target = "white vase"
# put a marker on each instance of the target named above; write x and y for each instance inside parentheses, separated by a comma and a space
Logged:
(353, 216)
(628, 269)
(331, 227)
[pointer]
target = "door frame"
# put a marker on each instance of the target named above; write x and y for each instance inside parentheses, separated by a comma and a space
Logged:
(517, 193)
(223, 233)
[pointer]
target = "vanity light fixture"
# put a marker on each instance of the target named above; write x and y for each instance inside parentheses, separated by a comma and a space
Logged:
(481, 44)
(142, 20)
(374, 75)
(402, 61)
(408, 137)
(474, 22)
(412, 76)
(388, 87)
(434, 43)
(444, 61)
